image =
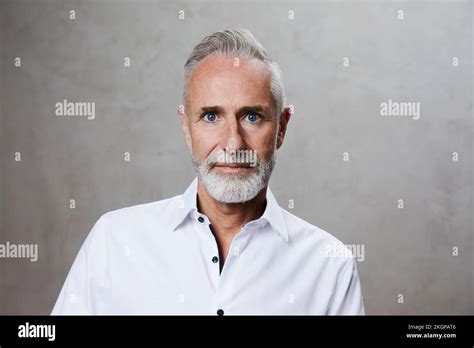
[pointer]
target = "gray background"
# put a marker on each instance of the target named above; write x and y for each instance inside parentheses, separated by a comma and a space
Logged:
(407, 251)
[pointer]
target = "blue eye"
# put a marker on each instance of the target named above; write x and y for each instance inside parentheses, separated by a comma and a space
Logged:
(252, 117)
(209, 117)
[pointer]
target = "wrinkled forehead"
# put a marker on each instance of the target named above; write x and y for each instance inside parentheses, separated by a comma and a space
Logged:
(229, 81)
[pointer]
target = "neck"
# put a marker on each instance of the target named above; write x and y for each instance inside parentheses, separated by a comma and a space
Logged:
(227, 219)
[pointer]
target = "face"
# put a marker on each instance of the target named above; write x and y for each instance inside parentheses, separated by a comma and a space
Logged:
(231, 126)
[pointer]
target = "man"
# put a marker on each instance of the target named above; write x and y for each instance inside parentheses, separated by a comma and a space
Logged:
(224, 246)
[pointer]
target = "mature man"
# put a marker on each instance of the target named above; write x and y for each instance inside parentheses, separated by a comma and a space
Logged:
(224, 246)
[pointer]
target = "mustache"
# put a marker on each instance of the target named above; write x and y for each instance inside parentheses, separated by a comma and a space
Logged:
(246, 158)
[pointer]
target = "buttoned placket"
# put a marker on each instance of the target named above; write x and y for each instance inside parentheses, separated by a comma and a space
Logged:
(222, 280)
(209, 245)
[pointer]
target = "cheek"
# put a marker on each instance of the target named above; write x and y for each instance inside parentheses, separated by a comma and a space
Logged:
(202, 144)
(264, 143)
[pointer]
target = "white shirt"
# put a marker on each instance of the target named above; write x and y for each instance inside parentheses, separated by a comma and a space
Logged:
(157, 258)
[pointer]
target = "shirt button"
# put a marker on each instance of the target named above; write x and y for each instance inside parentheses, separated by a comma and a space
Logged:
(215, 259)
(220, 312)
(200, 219)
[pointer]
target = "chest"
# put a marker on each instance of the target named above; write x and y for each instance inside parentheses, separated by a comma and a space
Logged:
(182, 276)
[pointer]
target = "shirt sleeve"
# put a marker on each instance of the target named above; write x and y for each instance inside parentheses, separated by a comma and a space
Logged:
(347, 299)
(86, 288)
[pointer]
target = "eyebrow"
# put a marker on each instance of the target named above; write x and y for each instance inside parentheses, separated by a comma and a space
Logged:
(251, 108)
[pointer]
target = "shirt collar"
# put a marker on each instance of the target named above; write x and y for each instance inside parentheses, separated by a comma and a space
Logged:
(272, 214)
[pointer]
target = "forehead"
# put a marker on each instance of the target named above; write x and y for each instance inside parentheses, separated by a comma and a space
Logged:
(219, 80)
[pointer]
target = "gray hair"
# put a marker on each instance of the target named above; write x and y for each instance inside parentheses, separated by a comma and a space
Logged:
(240, 43)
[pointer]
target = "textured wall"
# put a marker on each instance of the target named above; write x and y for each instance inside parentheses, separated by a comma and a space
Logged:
(409, 251)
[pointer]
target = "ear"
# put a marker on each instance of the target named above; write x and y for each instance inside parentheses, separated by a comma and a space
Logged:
(283, 124)
(185, 126)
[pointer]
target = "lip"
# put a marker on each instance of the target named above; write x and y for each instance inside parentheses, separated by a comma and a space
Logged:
(232, 168)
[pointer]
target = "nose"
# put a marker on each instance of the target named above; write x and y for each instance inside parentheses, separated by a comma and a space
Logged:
(233, 136)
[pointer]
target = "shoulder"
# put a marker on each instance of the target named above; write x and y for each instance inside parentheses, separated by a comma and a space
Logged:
(137, 220)
(316, 242)
(161, 209)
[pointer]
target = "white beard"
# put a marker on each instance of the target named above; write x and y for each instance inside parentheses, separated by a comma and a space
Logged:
(234, 188)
